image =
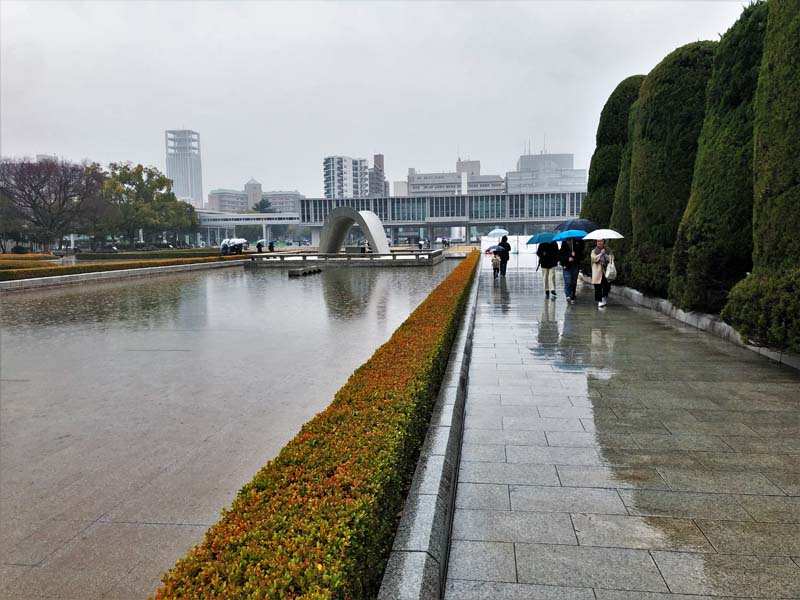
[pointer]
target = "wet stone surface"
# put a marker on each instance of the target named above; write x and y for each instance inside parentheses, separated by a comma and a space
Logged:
(673, 458)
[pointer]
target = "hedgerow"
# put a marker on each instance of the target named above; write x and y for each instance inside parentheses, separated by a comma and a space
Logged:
(765, 308)
(189, 253)
(55, 270)
(33, 256)
(612, 135)
(714, 245)
(667, 125)
(23, 264)
(318, 520)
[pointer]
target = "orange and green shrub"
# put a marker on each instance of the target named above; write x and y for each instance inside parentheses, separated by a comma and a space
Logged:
(54, 270)
(318, 521)
(33, 256)
(23, 264)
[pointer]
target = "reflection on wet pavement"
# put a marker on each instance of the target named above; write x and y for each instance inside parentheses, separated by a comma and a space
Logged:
(133, 411)
(613, 454)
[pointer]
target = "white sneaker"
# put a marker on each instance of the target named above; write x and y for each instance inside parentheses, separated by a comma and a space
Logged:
(602, 303)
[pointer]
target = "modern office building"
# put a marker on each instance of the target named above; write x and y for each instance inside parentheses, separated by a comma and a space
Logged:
(378, 186)
(400, 188)
(239, 201)
(183, 165)
(466, 180)
(546, 173)
(345, 177)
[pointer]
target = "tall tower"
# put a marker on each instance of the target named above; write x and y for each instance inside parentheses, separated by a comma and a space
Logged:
(183, 165)
(345, 177)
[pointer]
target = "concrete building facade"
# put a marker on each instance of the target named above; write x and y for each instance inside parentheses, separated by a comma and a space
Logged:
(466, 179)
(239, 201)
(378, 186)
(184, 166)
(345, 177)
(538, 173)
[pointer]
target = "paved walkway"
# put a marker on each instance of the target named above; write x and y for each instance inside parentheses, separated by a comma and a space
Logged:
(614, 455)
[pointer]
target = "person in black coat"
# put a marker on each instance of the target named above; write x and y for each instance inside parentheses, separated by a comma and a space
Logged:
(570, 258)
(548, 261)
(504, 252)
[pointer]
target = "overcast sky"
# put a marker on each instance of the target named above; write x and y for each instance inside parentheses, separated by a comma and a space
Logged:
(274, 87)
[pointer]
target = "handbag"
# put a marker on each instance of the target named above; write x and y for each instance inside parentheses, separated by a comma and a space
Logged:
(611, 270)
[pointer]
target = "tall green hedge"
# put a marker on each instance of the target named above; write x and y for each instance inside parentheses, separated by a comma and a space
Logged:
(714, 246)
(667, 125)
(612, 135)
(764, 306)
(621, 214)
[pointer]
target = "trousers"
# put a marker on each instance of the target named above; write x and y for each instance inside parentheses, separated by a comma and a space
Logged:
(570, 282)
(549, 278)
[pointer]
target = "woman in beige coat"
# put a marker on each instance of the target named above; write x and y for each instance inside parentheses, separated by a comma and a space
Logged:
(602, 286)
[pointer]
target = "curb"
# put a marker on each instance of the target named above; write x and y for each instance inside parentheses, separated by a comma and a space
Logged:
(417, 565)
(58, 280)
(705, 322)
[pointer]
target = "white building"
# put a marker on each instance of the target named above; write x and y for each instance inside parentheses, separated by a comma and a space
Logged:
(466, 179)
(546, 173)
(183, 165)
(239, 201)
(346, 177)
(400, 188)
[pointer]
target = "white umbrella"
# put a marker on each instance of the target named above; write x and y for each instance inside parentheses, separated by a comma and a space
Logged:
(603, 234)
(497, 233)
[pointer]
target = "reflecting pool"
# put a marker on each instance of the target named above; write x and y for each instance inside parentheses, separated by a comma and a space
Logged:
(133, 411)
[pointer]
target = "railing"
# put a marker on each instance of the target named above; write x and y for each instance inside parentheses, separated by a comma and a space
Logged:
(421, 256)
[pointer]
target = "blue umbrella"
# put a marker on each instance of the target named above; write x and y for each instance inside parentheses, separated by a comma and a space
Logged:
(584, 224)
(541, 238)
(569, 234)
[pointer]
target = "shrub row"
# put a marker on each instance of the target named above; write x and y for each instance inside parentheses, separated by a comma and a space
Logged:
(23, 264)
(33, 256)
(55, 270)
(318, 520)
(188, 253)
(765, 308)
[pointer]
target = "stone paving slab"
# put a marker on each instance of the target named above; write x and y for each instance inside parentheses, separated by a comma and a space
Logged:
(614, 454)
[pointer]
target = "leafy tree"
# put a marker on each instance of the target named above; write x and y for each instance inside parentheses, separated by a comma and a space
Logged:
(47, 197)
(12, 226)
(667, 124)
(714, 246)
(263, 206)
(612, 135)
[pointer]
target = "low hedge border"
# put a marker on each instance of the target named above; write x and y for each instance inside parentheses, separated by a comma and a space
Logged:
(56, 270)
(6, 265)
(9, 256)
(318, 521)
(155, 254)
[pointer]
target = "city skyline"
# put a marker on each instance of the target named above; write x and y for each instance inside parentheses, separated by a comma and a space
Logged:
(417, 110)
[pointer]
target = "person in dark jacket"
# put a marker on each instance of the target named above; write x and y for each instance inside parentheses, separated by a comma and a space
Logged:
(570, 257)
(548, 261)
(504, 252)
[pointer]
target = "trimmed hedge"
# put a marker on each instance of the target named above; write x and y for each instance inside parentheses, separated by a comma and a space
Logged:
(56, 270)
(714, 245)
(191, 253)
(23, 264)
(776, 154)
(612, 135)
(33, 256)
(765, 308)
(667, 124)
(318, 520)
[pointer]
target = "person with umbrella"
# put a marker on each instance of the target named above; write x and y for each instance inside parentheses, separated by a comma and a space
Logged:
(570, 257)
(504, 252)
(547, 251)
(601, 259)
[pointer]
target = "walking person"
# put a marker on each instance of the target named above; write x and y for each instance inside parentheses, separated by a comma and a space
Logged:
(495, 265)
(504, 252)
(548, 260)
(600, 260)
(570, 257)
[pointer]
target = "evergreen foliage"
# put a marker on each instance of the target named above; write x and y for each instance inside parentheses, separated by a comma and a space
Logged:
(714, 246)
(621, 214)
(612, 135)
(671, 107)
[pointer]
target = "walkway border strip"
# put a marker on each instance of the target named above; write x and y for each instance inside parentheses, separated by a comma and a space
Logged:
(705, 322)
(58, 280)
(417, 567)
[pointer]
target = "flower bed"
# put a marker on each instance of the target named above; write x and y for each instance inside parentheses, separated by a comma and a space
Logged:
(54, 270)
(318, 521)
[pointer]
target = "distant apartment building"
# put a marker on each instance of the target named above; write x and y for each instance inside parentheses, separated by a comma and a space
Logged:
(466, 180)
(345, 177)
(239, 201)
(400, 188)
(546, 173)
(183, 165)
(378, 186)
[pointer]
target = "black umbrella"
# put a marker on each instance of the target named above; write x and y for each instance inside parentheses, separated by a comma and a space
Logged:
(584, 224)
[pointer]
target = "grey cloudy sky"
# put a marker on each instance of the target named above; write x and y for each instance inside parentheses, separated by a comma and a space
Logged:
(273, 87)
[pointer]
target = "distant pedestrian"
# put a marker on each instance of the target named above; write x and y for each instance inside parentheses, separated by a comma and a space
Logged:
(570, 257)
(271, 247)
(260, 246)
(601, 258)
(548, 261)
(420, 244)
(504, 251)
(495, 264)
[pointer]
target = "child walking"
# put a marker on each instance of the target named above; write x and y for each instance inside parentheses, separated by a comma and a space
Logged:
(496, 264)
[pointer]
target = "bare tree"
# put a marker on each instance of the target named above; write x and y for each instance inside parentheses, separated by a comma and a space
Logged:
(49, 195)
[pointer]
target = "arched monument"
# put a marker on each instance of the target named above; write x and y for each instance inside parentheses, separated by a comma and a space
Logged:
(341, 219)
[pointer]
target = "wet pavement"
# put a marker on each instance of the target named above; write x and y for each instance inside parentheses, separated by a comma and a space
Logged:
(132, 412)
(614, 454)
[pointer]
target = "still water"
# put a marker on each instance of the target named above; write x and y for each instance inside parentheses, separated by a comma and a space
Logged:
(132, 412)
